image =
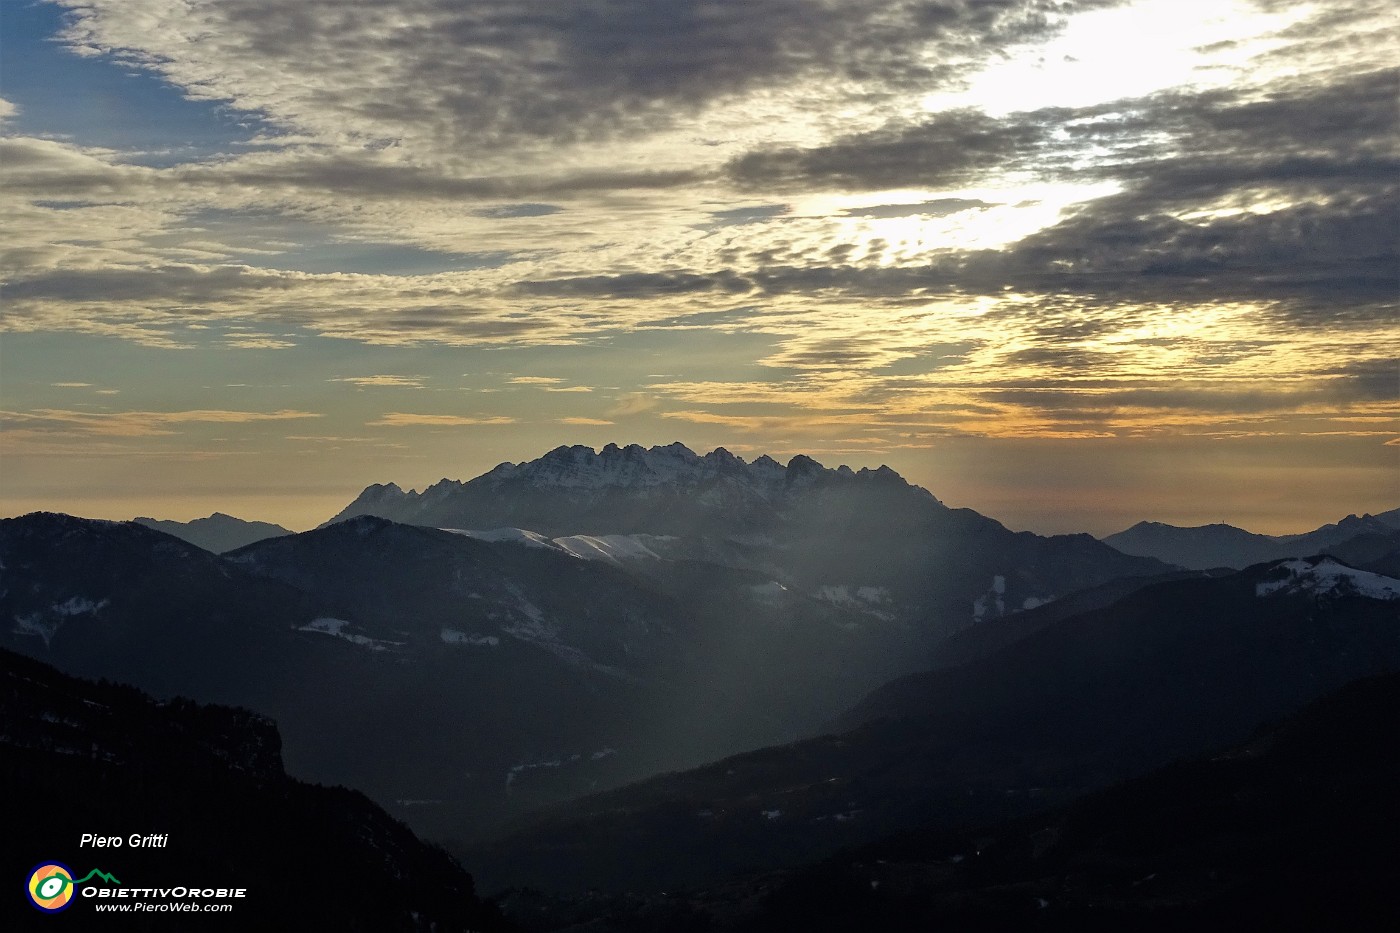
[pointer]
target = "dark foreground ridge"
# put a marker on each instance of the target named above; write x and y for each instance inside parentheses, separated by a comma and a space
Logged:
(80, 757)
(1172, 671)
(1294, 830)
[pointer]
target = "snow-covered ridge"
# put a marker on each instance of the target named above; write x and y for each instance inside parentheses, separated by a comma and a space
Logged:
(511, 535)
(1325, 576)
(632, 467)
(612, 549)
(674, 465)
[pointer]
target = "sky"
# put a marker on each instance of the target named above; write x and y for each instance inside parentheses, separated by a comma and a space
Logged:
(1071, 264)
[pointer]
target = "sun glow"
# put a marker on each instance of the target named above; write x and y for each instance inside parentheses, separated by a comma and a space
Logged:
(1128, 51)
(902, 227)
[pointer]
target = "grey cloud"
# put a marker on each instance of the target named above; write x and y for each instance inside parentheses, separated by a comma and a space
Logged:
(1373, 378)
(1064, 359)
(739, 216)
(1219, 399)
(45, 169)
(1341, 258)
(1327, 152)
(831, 353)
(519, 210)
(947, 149)
(1304, 137)
(637, 285)
(366, 175)
(705, 319)
(176, 284)
(498, 69)
(771, 281)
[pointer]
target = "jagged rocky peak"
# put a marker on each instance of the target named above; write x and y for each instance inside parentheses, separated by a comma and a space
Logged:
(384, 491)
(670, 465)
(716, 481)
(635, 466)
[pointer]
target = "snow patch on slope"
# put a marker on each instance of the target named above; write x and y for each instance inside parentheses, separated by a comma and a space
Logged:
(561, 761)
(336, 629)
(993, 599)
(529, 624)
(453, 637)
(77, 606)
(1325, 576)
(770, 592)
(33, 624)
(46, 623)
(872, 600)
(613, 549)
(507, 535)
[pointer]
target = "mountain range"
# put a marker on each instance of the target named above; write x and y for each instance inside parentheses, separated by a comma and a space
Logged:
(648, 669)
(217, 533)
(1371, 541)
(463, 677)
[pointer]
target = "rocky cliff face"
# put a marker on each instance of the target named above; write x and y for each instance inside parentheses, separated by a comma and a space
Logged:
(80, 757)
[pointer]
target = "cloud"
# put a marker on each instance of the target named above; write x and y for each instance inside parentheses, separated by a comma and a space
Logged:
(329, 439)
(483, 74)
(585, 421)
(1216, 230)
(947, 149)
(399, 419)
(383, 381)
(519, 210)
(137, 423)
(383, 175)
(633, 403)
(637, 284)
(258, 342)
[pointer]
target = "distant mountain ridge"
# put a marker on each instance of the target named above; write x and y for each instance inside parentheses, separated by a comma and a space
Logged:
(1360, 539)
(617, 490)
(217, 533)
